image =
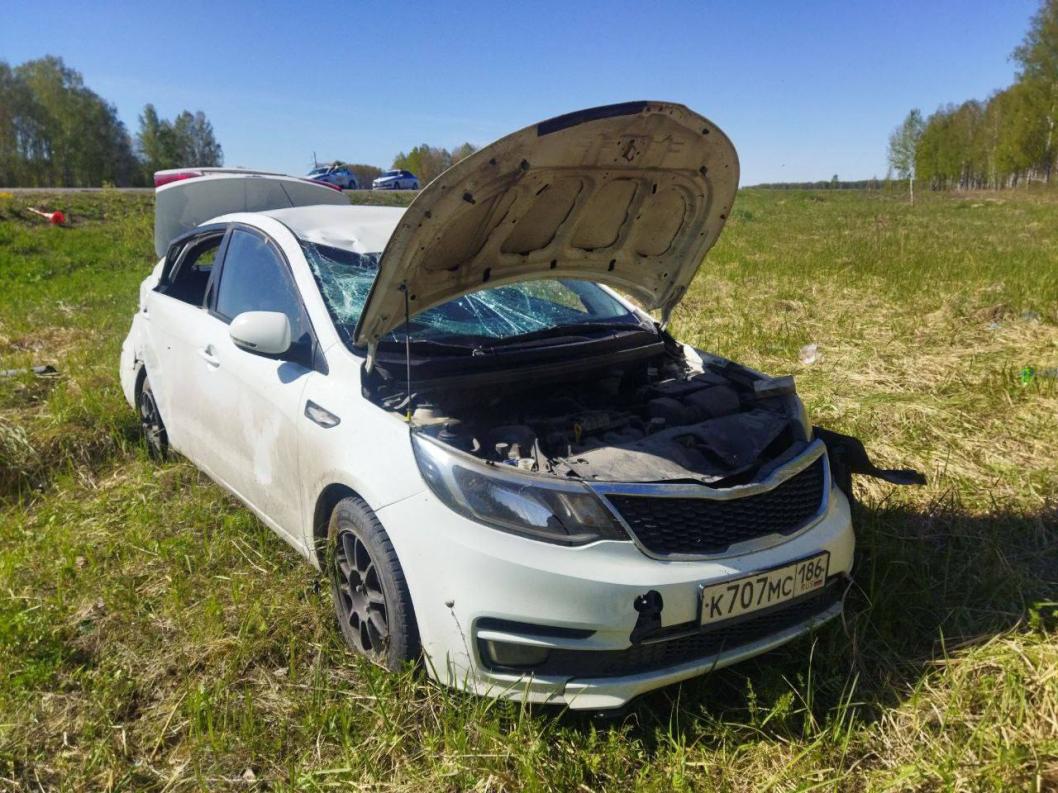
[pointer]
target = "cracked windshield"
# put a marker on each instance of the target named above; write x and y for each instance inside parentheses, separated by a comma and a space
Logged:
(504, 312)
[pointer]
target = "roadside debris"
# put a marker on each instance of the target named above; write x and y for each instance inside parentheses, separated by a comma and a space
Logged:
(809, 354)
(848, 456)
(47, 370)
(1030, 373)
(56, 218)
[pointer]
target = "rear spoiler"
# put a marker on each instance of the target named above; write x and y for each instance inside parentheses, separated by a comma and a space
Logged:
(177, 174)
(162, 178)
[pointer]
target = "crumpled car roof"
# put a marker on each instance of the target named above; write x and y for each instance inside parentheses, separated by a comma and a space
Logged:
(360, 229)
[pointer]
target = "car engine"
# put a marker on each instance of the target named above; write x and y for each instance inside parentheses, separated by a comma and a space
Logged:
(659, 420)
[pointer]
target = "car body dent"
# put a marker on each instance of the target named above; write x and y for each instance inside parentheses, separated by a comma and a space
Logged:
(361, 229)
(134, 349)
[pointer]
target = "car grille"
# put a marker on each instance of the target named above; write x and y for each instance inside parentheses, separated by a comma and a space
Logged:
(695, 646)
(699, 526)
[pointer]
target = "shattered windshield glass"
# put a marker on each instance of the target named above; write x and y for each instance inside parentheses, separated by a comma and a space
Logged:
(503, 312)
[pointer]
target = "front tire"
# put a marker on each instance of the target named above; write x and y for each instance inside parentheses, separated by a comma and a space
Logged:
(151, 423)
(371, 598)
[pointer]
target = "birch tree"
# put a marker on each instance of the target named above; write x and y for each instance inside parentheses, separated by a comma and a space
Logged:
(902, 144)
(1038, 57)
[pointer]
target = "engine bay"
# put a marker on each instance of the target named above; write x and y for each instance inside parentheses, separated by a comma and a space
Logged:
(662, 419)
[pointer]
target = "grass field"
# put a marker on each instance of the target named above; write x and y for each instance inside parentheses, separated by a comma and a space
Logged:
(154, 635)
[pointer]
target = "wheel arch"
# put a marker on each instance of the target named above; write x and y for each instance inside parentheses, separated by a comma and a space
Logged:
(321, 516)
(137, 382)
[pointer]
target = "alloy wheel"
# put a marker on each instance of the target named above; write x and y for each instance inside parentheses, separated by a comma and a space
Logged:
(151, 423)
(361, 600)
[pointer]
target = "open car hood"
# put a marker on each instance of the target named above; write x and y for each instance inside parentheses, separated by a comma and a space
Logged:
(630, 195)
(188, 197)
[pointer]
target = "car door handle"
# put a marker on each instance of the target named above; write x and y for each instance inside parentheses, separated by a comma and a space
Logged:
(207, 355)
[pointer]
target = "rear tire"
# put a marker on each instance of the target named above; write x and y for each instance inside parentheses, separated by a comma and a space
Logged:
(371, 598)
(151, 423)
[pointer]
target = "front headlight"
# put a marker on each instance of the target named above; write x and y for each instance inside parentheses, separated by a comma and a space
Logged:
(567, 513)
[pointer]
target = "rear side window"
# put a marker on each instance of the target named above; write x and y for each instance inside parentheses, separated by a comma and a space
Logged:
(188, 279)
(255, 278)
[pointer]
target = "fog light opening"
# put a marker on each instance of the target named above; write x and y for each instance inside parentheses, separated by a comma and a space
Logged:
(514, 656)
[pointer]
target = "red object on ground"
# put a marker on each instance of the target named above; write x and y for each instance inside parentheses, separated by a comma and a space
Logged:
(56, 218)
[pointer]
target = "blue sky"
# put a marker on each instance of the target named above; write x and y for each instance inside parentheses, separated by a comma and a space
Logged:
(804, 89)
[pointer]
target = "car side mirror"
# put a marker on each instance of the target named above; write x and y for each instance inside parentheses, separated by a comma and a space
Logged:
(261, 332)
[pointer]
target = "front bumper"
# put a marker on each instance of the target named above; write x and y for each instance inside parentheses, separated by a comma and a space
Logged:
(471, 584)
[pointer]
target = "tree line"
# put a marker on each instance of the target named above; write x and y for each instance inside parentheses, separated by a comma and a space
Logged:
(57, 132)
(1003, 141)
(427, 162)
(874, 183)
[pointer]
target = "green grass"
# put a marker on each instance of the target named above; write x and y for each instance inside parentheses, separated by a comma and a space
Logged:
(154, 635)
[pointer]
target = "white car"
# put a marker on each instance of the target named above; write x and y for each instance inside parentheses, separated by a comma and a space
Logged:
(396, 180)
(336, 174)
(505, 466)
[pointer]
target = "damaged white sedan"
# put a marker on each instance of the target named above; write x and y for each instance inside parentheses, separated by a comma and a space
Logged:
(504, 465)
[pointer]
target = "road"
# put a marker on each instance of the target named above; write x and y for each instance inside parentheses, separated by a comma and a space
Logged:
(53, 190)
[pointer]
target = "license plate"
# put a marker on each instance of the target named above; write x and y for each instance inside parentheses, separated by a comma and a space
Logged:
(764, 589)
